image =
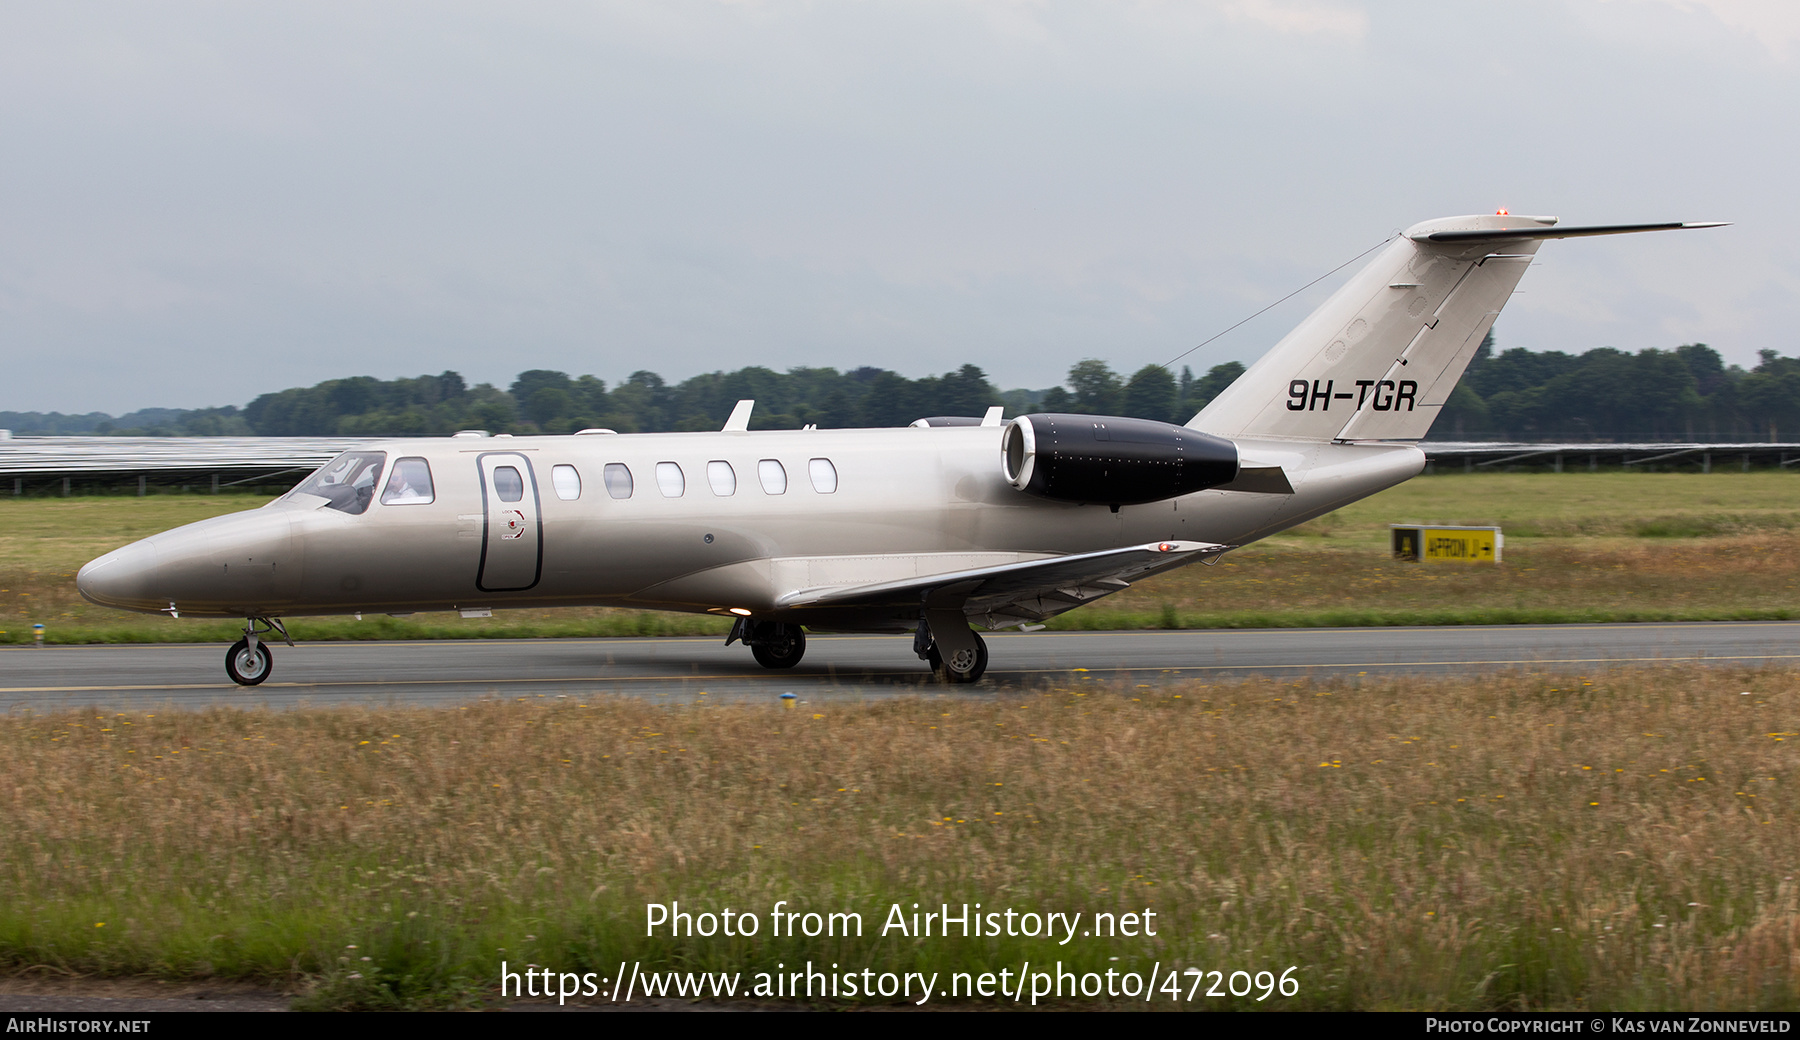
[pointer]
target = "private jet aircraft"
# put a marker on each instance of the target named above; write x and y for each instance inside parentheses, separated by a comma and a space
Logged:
(930, 528)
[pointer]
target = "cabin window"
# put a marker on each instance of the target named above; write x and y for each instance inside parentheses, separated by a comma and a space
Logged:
(346, 483)
(773, 477)
(567, 482)
(508, 484)
(409, 484)
(722, 478)
(670, 480)
(824, 475)
(618, 480)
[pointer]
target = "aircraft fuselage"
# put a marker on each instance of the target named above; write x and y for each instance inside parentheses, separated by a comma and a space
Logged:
(709, 522)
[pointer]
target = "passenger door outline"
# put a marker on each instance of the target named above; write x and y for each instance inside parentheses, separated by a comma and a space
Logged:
(496, 532)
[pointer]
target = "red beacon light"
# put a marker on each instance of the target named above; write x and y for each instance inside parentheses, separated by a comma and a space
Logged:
(1499, 213)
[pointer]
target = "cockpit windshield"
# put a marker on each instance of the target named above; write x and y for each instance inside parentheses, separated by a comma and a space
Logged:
(347, 483)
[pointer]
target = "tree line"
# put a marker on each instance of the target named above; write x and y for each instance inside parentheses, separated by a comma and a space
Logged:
(1684, 394)
(545, 401)
(1687, 393)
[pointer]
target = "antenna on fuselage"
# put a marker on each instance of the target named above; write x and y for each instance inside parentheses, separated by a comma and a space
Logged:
(740, 417)
(1169, 366)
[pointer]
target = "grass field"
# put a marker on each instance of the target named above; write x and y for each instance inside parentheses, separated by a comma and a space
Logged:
(1629, 841)
(1580, 547)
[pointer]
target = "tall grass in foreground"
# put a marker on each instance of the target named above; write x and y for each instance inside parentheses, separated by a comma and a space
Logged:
(1504, 842)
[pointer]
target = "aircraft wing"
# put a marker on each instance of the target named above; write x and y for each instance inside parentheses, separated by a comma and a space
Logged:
(1016, 593)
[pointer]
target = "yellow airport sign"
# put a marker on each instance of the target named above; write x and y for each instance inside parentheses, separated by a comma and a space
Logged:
(1447, 544)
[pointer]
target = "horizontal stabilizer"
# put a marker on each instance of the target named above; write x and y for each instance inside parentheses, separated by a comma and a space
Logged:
(1502, 234)
(1030, 590)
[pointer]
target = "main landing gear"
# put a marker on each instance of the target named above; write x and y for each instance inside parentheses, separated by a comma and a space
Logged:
(249, 662)
(956, 652)
(772, 643)
(964, 666)
(958, 655)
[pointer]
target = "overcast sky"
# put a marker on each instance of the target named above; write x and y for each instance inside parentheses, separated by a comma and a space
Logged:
(200, 202)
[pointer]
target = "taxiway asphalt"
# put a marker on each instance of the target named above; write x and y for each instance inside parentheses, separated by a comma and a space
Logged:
(687, 670)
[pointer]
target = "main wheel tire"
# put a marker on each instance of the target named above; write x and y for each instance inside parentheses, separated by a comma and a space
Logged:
(778, 646)
(974, 671)
(247, 667)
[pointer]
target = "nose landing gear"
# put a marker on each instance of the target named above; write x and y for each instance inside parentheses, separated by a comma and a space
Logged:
(249, 662)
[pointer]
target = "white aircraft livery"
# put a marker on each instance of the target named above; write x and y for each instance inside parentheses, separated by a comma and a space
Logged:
(932, 528)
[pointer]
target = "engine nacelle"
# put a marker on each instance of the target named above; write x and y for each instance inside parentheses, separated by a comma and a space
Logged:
(1111, 460)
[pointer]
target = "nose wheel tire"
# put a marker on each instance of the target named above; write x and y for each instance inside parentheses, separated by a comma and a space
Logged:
(777, 646)
(248, 667)
(966, 667)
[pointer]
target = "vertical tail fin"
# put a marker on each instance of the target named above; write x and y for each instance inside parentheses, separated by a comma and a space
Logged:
(1379, 358)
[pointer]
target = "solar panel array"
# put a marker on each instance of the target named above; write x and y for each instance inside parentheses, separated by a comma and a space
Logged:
(55, 456)
(149, 456)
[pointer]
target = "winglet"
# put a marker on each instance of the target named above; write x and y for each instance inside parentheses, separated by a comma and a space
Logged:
(740, 417)
(992, 418)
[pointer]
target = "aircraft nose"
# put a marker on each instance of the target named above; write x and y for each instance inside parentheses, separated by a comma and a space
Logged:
(121, 578)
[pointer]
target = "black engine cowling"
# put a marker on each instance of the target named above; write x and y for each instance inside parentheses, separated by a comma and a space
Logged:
(1112, 460)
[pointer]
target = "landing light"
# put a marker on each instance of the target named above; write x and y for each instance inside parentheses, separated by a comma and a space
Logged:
(740, 611)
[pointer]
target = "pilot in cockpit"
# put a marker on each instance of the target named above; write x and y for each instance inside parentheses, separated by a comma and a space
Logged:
(408, 484)
(347, 483)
